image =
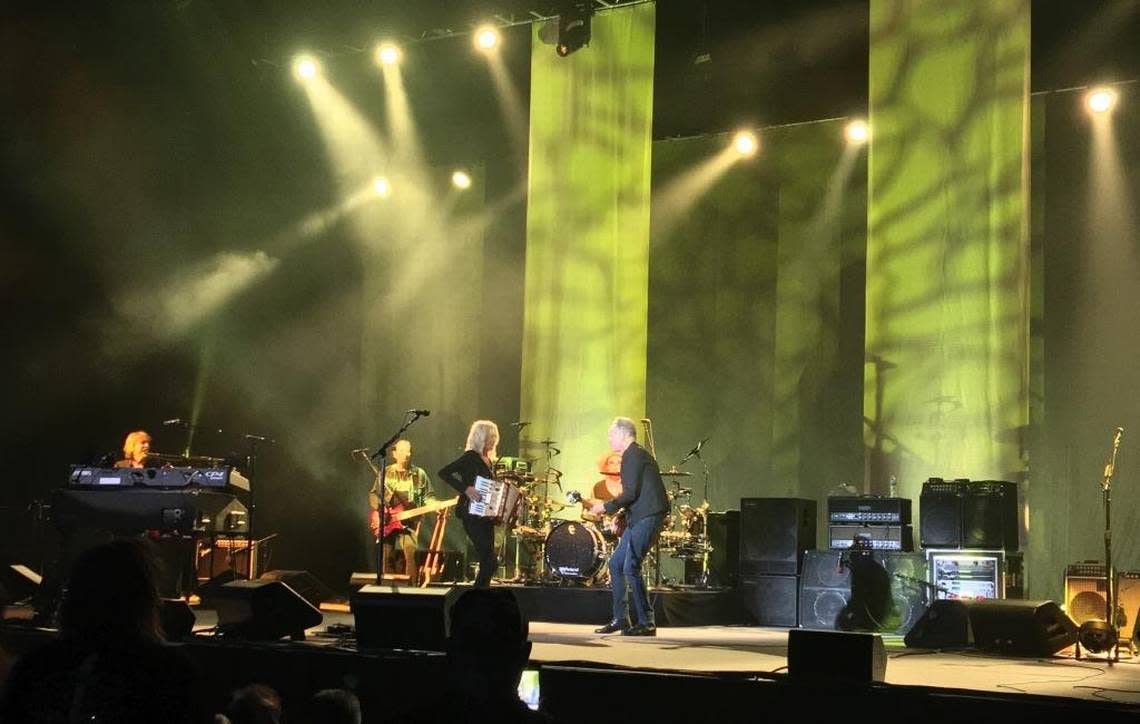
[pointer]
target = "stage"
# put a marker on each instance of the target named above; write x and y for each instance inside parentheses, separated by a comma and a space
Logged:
(685, 672)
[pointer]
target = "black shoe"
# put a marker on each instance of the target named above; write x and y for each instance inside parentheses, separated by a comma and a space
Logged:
(612, 627)
(640, 629)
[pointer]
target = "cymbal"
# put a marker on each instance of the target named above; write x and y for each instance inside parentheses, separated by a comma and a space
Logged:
(675, 473)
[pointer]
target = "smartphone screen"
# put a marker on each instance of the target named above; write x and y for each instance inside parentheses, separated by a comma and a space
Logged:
(528, 688)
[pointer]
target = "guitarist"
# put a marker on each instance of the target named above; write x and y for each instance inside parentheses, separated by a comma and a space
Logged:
(645, 503)
(405, 486)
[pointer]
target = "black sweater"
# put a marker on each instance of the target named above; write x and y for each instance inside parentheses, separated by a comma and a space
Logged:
(461, 473)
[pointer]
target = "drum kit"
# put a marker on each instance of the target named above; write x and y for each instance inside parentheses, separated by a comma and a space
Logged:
(552, 550)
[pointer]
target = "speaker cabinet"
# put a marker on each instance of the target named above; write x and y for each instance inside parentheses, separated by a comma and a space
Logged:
(836, 656)
(176, 618)
(944, 625)
(1085, 596)
(724, 537)
(963, 514)
(304, 583)
(940, 514)
(826, 591)
(774, 533)
(989, 515)
(401, 617)
(771, 600)
(1021, 628)
(262, 610)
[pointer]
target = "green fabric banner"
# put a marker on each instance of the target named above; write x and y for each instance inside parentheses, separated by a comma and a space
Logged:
(587, 256)
(946, 369)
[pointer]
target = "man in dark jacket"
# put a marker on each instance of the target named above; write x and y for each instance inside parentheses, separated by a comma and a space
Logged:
(645, 504)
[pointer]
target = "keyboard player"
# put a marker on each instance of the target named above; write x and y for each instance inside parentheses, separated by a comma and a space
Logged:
(135, 449)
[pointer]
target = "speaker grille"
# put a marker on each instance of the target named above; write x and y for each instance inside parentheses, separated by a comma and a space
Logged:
(774, 532)
(825, 589)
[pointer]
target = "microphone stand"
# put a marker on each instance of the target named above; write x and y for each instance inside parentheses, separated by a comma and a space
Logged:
(381, 455)
(251, 461)
(1109, 578)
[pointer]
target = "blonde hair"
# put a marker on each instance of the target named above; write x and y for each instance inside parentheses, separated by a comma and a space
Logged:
(480, 433)
(132, 442)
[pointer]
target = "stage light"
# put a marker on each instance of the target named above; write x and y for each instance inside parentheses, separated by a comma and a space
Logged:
(1101, 100)
(857, 132)
(305, 67)
(745, 143)
(1096, 636)
(486, 37)
(382, 187)
(461, 180)
(573, 30)
(388, 54)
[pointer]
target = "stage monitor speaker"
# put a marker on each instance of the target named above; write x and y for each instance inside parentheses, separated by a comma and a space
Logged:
(772, 600)
(262, 610)
(774, 533)
(1021, 628)
(989, 515)
(176, 618)
(400, 617)
(825, 591)
(837, 656)
(306, 584)
(724, 539)
(940, 513)
(944, 625)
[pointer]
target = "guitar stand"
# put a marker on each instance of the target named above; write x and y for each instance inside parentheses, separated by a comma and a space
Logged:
(433, 563)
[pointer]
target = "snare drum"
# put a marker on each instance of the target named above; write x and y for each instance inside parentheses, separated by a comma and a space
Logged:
(575, 550)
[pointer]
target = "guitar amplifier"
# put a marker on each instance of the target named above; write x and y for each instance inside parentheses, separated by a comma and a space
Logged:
(868, 509)
(880, 537)
(1085, 595)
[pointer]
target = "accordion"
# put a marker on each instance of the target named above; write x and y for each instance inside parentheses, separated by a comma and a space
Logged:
(500, 501)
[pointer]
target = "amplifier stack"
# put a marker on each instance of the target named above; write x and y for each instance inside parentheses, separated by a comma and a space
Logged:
(883, 524)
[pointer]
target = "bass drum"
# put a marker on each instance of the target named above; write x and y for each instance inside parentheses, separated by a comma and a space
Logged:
(575, 551)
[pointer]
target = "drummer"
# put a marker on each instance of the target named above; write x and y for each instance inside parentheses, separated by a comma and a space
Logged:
(609, 487)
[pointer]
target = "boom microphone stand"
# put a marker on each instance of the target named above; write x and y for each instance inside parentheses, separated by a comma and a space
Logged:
(1109, 578)
(1097, 636)
(381, 457)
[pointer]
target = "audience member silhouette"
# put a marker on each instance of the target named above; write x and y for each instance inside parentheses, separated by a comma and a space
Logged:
(254, 704)
(110, 663)
(487, 650)
(334, 706)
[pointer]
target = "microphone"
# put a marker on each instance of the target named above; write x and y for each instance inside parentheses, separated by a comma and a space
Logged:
(520, 425)
(695, 451)
(359, 450)
(173, 421)
(1119, 434)
(421, 413)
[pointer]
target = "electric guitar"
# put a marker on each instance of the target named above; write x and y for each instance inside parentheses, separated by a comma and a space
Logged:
(396, 515)
(615, 523)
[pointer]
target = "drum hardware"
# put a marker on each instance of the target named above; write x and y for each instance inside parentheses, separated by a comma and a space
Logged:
(575, 551)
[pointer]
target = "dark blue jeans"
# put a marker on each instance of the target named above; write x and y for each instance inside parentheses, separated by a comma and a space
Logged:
(625, 570)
